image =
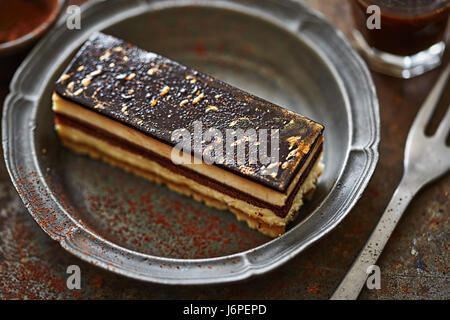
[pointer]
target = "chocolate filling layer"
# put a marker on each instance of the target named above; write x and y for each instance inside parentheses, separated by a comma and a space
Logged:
(117, 141)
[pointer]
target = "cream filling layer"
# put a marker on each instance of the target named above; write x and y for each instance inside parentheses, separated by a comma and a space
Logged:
(261, 192)
(84, 143)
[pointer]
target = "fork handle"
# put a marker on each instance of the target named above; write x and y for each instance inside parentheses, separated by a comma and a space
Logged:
(351, 285)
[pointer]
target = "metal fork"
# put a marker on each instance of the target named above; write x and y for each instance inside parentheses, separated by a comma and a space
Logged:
(426, 159)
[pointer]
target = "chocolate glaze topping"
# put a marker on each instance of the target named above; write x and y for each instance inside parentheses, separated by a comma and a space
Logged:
(157, 96)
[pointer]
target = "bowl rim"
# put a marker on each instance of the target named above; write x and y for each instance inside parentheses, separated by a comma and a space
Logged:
(74, 237)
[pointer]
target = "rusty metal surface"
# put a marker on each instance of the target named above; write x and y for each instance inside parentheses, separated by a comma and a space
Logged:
(414, 264)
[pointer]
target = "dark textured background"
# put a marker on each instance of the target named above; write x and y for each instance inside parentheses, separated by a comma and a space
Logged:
(414, 265)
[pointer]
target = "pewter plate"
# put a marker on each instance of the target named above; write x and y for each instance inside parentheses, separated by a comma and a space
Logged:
(278, 50)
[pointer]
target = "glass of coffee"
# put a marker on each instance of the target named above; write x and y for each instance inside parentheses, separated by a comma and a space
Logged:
(402, 38)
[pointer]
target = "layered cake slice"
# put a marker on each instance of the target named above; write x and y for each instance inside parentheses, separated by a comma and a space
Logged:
(201, 137)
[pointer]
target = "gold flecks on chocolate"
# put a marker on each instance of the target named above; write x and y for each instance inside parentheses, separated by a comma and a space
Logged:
(292, 141)
(300, 149)
(65, 77)
(125, 58)
(131, 91)
(78, 92)
(124, 108)
(301, 146)
(246, 170)
(305, 148)
(70, 86)
(270, 170)
(117, 49)
(164, 91)
(193, 81)
(154, 102)
(292, 154)
(198, 98)
(85, 82)
(285, 164)
(188, 77)
(271, 167)
(182, 103)
(96, 91)
(131, 76)
(169, 116)
(95, 73)
(98, 106)
(211, 108)
(112, 65)
(106, 55)
(233, 123)
(152, 71)
(217, 96)
(80, 68)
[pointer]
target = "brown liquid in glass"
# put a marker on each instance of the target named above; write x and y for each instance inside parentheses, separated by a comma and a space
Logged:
(407, 26)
